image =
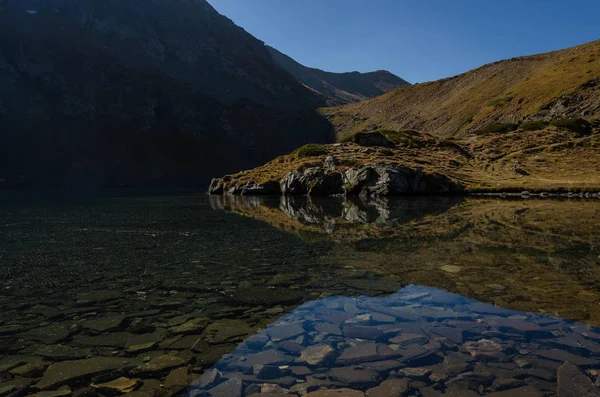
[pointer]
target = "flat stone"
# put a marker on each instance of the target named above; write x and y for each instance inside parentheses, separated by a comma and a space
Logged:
(500, 384)
(572, 382)
(300, 370)
(65, 372)
(383, 366)
(209, 379)
(290, 346)
(525, 391)
(520, 326)
(409, 339)
(336, 393)
(105, 324)
(366, 352)
(48, 335)
(57, 393)
(416, 373)
(284, 331)
(362, 332)
(230, 388)
(118, 339)
(355, 378)
(561, 355)
(486, 350)
(118, 386)
(327, 328)
(223, 331)
(455, 335)
(258, 296)
(32, 369)
(158, 364)
(144, 347)
(317, 355)
(62, 352)
(268, 357)
(178, 378)
(389, 388)
(193, 326)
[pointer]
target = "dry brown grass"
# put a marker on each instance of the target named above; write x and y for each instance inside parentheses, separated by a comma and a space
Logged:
(506, 91)
(552, 158)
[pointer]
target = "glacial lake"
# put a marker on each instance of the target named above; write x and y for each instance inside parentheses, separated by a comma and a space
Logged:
(159, 294)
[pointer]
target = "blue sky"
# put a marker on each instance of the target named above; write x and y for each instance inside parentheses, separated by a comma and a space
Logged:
(419, 40)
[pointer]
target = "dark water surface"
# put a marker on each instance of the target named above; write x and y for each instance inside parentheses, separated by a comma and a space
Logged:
(155, 295)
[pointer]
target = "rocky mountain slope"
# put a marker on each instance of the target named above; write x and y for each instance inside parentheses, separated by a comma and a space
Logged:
(530, 123)
(140, 92)
(561, 84)
(340, 88)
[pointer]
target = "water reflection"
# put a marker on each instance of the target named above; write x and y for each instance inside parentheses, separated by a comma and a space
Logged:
(535, 255)
(331, 212)
(142, 295)
(418, 340)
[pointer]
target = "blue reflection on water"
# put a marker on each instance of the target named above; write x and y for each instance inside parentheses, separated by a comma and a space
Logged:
(419, 341)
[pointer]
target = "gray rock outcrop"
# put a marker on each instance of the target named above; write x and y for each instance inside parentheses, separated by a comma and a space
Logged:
(381, 179)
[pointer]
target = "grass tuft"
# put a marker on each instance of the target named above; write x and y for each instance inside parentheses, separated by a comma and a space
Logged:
(496, 128)
(312, 150)
(534, 125)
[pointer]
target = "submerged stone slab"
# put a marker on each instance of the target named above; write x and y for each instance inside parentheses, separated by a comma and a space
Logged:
(572, 382)
(366, 352)
(65, 372)
(230, 388)
(317, 355)
(389, 388)
(336, 393)
(118, 386)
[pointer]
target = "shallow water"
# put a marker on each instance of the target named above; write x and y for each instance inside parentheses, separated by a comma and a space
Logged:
(112, 295)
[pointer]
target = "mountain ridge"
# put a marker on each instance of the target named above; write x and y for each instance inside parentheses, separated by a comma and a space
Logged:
(557, 84)
(140, 93)
(524, 124)
(340, 88)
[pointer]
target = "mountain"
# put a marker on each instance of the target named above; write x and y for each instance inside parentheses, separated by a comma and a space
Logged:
(140, 92)
(340, 88)
(560, 84)
(525, 124)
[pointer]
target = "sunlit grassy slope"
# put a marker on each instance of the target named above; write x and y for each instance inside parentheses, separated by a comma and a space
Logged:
(561, 84)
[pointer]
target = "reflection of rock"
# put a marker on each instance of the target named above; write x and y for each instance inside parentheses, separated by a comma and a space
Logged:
(330, 211)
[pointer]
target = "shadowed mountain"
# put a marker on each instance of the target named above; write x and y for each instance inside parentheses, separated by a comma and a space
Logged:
(140, 92)
(340, 88)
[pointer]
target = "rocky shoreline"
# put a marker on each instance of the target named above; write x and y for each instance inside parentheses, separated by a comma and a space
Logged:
(380, 179)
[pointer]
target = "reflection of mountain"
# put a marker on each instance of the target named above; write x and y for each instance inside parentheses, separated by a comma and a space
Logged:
(537, 255)
(419, 341)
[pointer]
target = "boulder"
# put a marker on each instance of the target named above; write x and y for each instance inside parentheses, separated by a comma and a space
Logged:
(383, 179)
(372, 139)
(314, 181)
